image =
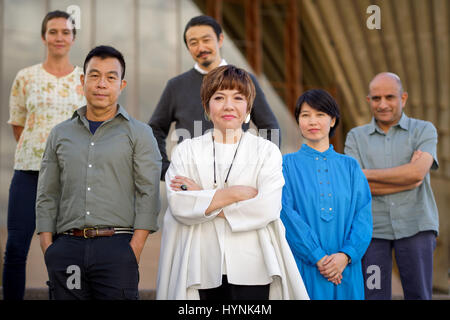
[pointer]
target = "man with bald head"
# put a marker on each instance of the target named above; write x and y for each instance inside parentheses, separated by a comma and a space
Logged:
(396, 153)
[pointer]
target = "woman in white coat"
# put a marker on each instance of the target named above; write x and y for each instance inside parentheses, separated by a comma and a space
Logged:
(222, 236)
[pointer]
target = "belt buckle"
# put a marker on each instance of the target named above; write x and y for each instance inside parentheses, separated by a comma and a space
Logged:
(87, 229)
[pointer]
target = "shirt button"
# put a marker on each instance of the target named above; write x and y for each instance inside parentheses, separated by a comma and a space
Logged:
(331, 209)
(88, 213)
(329, 194)
(92, 143)
(323, 209)
(392, 204)
(89, 188)
(90, 166)
(317, 158)
(325, 159)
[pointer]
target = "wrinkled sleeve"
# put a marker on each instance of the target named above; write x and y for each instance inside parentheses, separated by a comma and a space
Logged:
(188, 207)
(428, 141)
(351, 147)
(301, 237)
(259, 211)
(48, 189)
(17, 102)
(360, 235)
(160, 122)
(147, 171)
(263, 116)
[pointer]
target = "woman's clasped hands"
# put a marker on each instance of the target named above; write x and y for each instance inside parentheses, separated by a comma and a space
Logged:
(332, 266)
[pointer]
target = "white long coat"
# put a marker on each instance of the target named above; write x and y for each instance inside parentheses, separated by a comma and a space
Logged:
(186, 259)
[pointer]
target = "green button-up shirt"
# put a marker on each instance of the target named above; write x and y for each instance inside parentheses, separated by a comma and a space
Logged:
(406, 213)
(110, 178)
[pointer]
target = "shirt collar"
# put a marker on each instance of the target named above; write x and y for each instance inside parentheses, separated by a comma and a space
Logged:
(197, 67)
(314, 153)
(402, 123)
(81, 112)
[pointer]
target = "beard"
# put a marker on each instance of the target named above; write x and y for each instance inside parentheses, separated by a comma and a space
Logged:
(206, 64)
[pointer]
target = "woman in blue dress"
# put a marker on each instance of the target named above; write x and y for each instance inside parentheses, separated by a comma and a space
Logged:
(326, 205)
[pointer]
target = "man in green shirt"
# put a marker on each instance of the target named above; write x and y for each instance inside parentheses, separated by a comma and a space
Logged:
(396, 153)
(98, 190)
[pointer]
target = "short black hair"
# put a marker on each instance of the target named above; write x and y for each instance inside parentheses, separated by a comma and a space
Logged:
(105, 52)
(319, 100)
(203, 21)
(53, 15)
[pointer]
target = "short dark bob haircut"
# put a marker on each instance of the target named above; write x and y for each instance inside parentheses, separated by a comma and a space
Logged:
(53, 15)
(319, 100)
(227, 77)
(203, 21)
(105, 52)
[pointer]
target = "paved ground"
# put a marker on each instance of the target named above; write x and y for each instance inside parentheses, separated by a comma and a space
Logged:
(37, 274)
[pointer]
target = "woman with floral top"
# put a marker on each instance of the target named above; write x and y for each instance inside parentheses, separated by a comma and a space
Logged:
(41, 96)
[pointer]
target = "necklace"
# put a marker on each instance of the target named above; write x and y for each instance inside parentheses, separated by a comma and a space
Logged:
(214, 155)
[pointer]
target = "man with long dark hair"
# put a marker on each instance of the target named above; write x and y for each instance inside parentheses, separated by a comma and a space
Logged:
(180, 102)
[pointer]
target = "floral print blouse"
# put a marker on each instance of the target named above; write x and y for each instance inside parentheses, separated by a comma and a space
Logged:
(38, 102)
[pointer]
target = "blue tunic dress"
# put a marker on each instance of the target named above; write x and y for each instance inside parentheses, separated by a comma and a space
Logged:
(326, 209)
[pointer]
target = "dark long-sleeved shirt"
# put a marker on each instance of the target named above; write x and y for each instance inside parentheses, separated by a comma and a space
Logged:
(181, 102)
(110, 178)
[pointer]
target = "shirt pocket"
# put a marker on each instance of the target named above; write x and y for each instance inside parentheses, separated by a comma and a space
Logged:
(325, 214)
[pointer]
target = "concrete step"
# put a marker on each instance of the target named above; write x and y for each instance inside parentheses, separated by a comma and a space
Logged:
(42, 294)
(149, 294)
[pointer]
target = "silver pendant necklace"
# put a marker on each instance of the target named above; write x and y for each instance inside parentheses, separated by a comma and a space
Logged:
(214, 155)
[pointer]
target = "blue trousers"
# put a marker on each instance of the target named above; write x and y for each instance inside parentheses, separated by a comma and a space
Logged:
(21, 225)
(414, 257)
(101, 268)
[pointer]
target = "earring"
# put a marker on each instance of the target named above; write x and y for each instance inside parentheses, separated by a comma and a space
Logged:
(247, 120)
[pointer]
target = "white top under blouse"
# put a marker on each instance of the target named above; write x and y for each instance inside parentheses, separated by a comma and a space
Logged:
(255, 273)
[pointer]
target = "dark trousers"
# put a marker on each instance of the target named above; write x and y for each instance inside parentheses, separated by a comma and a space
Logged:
(21, 225)
(101, 268)
(228, 291)
(414, 257)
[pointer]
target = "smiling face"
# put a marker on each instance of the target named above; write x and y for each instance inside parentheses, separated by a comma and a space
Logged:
(227, 110)
(102, 83)
(204, 46)
(58, 37)
(386, 100)
(315, 126)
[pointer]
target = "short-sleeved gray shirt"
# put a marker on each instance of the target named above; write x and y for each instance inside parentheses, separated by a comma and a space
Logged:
(406, 213)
